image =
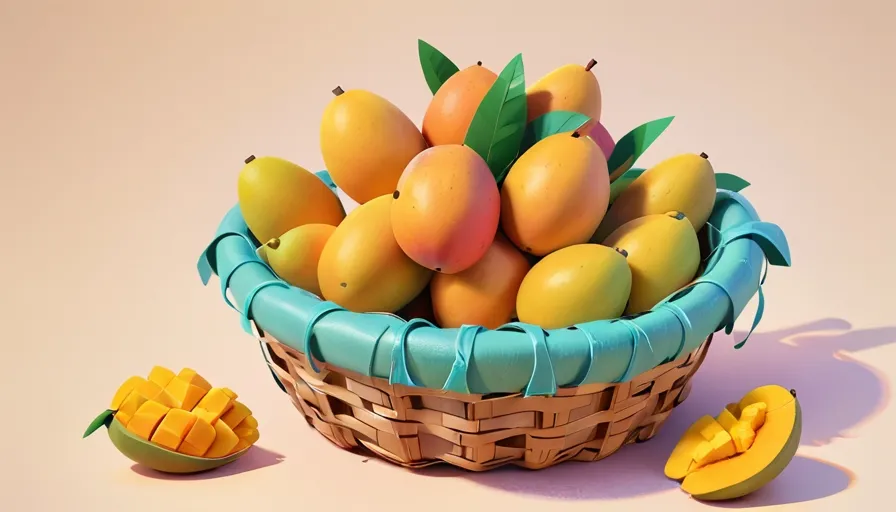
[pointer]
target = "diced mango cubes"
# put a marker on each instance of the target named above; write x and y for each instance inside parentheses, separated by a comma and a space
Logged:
(174, 428)
(182, 412)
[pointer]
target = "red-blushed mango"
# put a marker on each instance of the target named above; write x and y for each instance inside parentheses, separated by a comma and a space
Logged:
(452, 107)
(366, 142)
(446, 207)
(363, 269)
(604, 140)
(484, 294)
(577, 284)
(556, 194)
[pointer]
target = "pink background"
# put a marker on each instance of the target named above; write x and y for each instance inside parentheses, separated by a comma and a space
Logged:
(124, 125)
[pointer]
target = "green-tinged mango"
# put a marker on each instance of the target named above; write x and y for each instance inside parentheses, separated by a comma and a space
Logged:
(366, 143)
(294, 255)
(663, 253)
(577, 284)
(276, 195)
(363, 269)
(555, 194)
(684, 183)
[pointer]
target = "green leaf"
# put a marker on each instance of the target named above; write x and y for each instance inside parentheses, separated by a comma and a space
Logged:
(437, 68)
(497, 128)
(623, 182)
(103, 420)
(634, 144)
(730, 182)
(558, 121)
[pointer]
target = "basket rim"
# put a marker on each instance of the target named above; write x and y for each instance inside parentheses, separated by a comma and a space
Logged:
(517, 357)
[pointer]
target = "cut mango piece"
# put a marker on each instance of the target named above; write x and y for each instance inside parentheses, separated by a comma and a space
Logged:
(734, 462)
(682, 457)
(160, 375)
(224, 442)
(198, 439)
(209, 417)
(148, 416)
(236, 414)
(217, 402)
(728, 417)
(249, 422)
(156, 393)
(190, 375)
(247, 436)
(124, 390)
(128, 407)
(186, 392)
(173, 428)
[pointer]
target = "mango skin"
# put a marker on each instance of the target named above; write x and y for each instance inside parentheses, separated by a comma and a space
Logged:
(577, 284)
(363, 269)
(294, 256)
(453, 106)
(684, 183)
(276, 195)
(446, 208)
(570, 87)
(366, 142)
(604, 140)
(484, 294)
(663, 254)
(556, 194)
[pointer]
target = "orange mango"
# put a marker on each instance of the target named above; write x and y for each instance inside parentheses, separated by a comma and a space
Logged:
(453, 106)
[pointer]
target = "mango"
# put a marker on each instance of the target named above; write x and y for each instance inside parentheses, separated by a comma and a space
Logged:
(577, 284)
(453, 106)
(446, 208)
(276, 195)
(366, 143)
(604, 140)
(572, 87)
(663, 254)
(555, 194)
(714, 463)
(294, 256)
(363, 269)
(684, 183)
(213, 432)
(484, 294)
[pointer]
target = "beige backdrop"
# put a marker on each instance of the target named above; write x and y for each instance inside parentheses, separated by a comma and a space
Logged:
(124, 124)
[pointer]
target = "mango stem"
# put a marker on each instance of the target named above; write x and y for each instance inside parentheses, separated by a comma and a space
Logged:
(249, 158)
(478, 62)
(591, 64)
(704, 155)
(338, 91)
(273, 243)
(576, 134)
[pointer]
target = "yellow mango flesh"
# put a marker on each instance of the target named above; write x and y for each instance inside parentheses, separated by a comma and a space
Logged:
(236, 414)
(198, 439)
(148, 416)
(173, 428)
(247, 437)
(728, 417)
(128, 407)
(753, 451)
(215, 403)
(249, 422)
(124, 390)
(679, 463)
(225, 441)
(160, 375)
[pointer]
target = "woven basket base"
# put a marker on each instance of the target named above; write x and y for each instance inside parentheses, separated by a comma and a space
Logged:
(416, 427)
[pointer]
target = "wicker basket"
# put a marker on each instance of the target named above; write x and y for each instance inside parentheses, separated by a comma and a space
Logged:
(417, 395)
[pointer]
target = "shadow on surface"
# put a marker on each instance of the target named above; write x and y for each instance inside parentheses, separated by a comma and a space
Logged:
(836, 393)
(256, 458)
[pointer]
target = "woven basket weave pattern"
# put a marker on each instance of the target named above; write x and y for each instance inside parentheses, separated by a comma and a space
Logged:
(417, 427)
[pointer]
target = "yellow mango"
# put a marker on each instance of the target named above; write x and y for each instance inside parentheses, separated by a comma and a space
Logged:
(294, 256)
(198, 439)
(156, 393)
(572, 87)
(385, 279)
(684, 183)
(366, 142)
(225, 441)
(728, 417)
(124, 390)
(236, 415)
(663, 253)
(249, 422)
(276, 195)
(161, 376)
(217, 401)
(148, 416)
(247, 437)
(576, 284)
(173, 428)
(187, 394)
(128, 407)
(192, 376)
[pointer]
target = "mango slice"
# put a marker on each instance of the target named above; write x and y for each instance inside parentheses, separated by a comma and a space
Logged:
(225, 441)
(748, 446)
(187, 393)
(160, 375)
(249, 422)
(173, 428)
(215, 403)
(236, 414)
(128, 407)
(247, 437)
(148, 416)
(198, 439)
(124, 390)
